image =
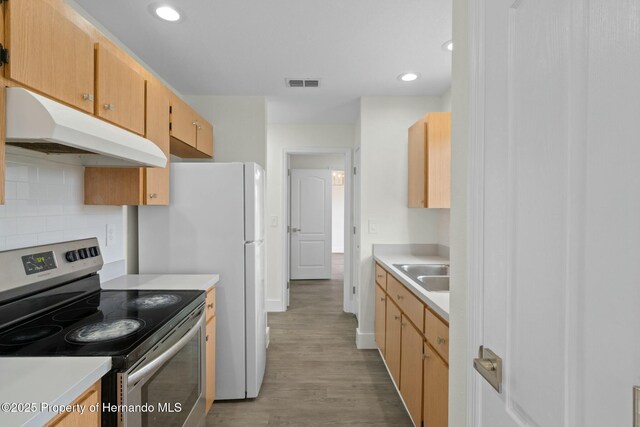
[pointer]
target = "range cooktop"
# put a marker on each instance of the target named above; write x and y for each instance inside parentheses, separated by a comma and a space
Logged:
(104, 323)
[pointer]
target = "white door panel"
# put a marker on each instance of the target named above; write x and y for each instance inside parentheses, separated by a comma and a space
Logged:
(555, 223)
(310, 224)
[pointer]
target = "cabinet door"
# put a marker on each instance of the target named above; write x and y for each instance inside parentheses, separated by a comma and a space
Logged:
(157, 130)
(381, 313)
(49, 53)
(411, 370)
(417, 164)
(204, 140)
(210, 366)
(76, 419)
(438, 160)
(120, 93)
(183, 122)
(392, 341)
(436, 390)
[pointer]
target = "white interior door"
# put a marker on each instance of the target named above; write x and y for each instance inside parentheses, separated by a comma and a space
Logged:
(555, 235)
(310, 231)
(355, 256)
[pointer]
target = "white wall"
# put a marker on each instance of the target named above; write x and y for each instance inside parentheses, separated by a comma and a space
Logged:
(44, 204)
(239, 126)
(279, 137)
(317, 161)
(459, 353)
(384, 123)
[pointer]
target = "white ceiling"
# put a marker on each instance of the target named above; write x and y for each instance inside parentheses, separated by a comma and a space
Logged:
(248, 47)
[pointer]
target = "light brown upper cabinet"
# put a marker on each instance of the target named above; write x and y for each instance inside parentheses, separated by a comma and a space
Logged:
(191, 135)
(119, 91)
(430, 162)
(49, 53)
(141, 186)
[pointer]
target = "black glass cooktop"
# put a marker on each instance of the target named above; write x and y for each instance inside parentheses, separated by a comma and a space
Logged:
(105, 323)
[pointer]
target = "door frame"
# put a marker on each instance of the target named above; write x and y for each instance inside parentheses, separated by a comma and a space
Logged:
(347, 303)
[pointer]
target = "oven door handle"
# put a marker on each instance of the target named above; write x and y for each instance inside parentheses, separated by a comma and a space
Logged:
(164, 357)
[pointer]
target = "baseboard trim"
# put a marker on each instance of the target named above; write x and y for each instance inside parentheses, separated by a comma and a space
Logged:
(274, 306)
(365, 340)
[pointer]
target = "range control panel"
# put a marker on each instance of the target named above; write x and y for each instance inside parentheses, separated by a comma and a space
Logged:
(57, 262)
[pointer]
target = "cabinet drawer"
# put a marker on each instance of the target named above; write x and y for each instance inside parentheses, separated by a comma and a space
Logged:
(211, 303)
(381, 276)
(409, 303)
(437, 333)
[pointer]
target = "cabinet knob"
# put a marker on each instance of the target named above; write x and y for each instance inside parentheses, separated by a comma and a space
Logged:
(396, 317)
(441, 340)
(109, 107)
(87, 97)
(382, 299)
(153, 195)
(210, 305)
(425, 355)
(399, 296)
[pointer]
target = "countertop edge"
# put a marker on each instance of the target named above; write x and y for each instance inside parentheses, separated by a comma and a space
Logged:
(200, 282)
(415, 289)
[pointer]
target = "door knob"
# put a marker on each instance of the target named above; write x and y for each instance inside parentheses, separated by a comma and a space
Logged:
(295, 230)
(489, 365)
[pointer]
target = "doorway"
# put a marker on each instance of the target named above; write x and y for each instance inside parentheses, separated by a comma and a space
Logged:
(318, 206)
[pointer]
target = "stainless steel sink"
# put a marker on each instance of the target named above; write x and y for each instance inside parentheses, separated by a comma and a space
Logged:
(432, 277)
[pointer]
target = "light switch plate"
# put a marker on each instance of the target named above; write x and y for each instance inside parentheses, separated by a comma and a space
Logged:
(373, 227)
(111, 235)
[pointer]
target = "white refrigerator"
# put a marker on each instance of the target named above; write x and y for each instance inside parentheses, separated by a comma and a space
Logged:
(215, 224)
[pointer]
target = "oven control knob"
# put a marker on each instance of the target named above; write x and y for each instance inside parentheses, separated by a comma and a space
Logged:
(93, 251)
(71, 256)
(83, 253)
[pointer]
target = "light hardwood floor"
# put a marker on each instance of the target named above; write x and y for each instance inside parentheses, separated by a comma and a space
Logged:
(315, 375)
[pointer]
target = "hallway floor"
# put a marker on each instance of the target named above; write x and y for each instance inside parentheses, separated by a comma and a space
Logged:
(315, 375)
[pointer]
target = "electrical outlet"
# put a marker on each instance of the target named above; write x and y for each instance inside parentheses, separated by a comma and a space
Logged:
(373, 227)
(111, 235)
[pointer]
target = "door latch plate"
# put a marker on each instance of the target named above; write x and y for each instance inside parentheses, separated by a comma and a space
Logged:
(489, 365)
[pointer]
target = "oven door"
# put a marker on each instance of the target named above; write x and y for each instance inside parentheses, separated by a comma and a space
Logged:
(168, 388)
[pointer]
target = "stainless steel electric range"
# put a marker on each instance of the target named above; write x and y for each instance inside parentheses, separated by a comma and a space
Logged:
(51, 304)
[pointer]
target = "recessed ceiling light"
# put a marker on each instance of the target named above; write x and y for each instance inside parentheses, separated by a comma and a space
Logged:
(167, 13)
(448, 46)
(408, 77)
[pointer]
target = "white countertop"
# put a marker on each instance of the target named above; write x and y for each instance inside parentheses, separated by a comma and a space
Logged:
(199, 282)
(45, 381)
(438, 301)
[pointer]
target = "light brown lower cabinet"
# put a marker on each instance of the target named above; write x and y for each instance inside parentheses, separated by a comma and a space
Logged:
(75, 419)
(411, 369)
(392, 341)
(210, 365)
(416, 357)
(381, 312)
(436, 390)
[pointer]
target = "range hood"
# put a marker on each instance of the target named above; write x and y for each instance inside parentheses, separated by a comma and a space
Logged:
(38, 123)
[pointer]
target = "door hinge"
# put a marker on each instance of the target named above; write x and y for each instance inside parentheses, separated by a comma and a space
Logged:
(354, 290)
(287, 285)
(288, 229)
(170, 109)
(170, 127)
(355, 170)
(354, 229)
(288, 172)
(4, 54)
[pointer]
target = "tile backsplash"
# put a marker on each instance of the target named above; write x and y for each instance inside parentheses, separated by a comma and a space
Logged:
(44, 204)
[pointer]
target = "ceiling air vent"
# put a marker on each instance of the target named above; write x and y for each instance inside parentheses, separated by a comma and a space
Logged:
(302, 82)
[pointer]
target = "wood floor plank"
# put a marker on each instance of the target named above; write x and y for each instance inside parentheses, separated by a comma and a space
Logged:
(315, 376)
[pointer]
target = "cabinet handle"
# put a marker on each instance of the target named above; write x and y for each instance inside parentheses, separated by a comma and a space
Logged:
(396, 317)
(87, 97)
(109, 107)
(153, 195)
(400, 296)
(441, 340)
(210, 305)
